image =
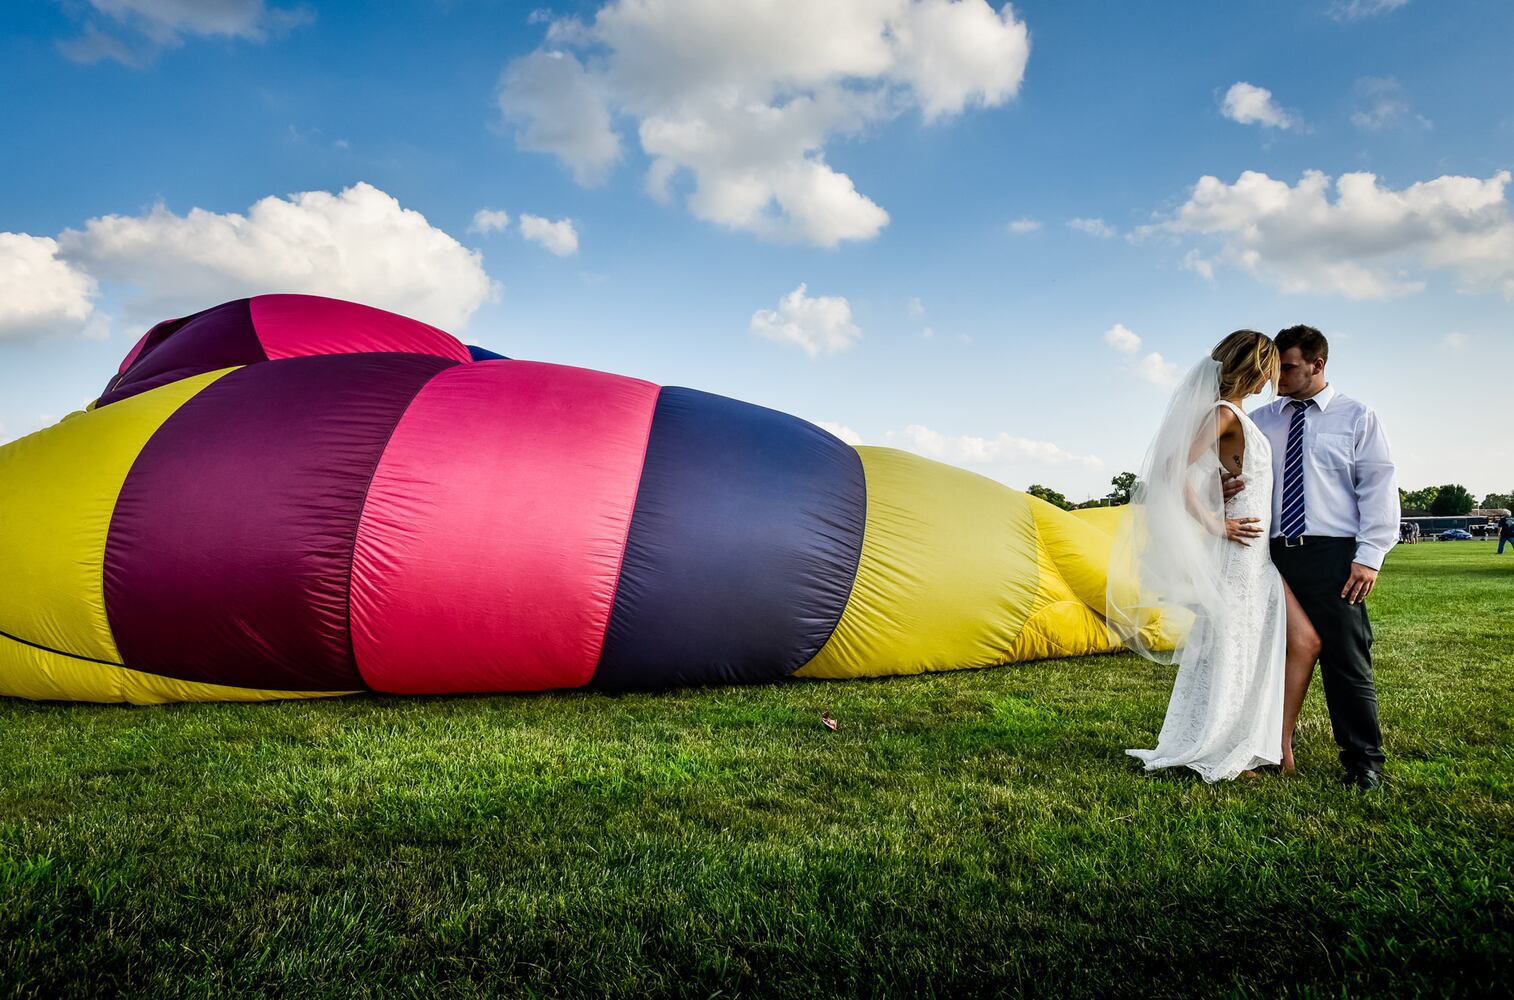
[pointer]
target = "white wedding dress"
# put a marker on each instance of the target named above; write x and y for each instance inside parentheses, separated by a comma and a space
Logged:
(1226, 711)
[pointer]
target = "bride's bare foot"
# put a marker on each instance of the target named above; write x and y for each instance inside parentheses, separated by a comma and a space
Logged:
(1250, 774)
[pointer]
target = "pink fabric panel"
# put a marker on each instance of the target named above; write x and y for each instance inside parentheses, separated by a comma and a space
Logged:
(291, 326)
(490, 545)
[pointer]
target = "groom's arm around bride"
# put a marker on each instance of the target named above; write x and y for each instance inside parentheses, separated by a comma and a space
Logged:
(1335, 515)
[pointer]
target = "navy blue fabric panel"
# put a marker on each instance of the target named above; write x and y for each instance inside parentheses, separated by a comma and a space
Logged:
(219, 337)
(742, 550)
(484, 354)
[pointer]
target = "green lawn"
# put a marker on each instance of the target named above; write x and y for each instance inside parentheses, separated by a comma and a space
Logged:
(974, 833)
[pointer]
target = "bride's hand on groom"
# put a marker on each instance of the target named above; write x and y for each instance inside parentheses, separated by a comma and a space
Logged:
(1242, 529)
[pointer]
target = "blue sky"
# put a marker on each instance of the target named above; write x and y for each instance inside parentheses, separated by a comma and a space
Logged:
(981, 232)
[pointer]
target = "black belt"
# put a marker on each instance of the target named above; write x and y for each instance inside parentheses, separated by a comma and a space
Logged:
(1293, 543)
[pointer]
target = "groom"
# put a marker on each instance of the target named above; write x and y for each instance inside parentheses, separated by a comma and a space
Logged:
(1334, 517)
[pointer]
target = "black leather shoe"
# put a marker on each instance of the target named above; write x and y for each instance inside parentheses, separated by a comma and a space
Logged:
(1365, 780)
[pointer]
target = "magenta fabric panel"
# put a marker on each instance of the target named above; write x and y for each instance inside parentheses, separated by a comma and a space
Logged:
(491, 542)
(298, 325)
(215, 338)
(230, 547)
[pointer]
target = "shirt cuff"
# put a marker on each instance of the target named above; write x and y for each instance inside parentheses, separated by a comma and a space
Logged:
(1370, 555)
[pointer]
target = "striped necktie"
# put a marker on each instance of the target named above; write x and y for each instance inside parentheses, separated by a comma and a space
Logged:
(1291, 524)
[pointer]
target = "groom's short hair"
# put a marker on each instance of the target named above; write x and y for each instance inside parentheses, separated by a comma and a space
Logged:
(1309, 341)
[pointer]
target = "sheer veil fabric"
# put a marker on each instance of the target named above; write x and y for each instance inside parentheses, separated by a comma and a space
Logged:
(1165, 582)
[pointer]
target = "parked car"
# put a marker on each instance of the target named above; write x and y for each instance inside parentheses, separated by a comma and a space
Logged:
(1456, 535)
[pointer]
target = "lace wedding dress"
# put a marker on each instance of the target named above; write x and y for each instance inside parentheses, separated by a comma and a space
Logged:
(1226, 711)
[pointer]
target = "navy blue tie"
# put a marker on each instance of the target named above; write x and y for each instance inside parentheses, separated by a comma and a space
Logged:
(1291, 524)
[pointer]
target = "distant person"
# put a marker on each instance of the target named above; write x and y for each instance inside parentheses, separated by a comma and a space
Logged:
(1505, 533)
(1335, 515)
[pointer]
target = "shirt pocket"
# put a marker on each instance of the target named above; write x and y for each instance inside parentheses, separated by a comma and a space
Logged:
(1334, 451)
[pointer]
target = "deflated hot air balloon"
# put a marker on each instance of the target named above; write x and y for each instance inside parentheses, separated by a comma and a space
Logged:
(291, 496)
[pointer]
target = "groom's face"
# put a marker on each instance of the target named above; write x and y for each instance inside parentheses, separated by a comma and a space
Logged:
(1296, 374)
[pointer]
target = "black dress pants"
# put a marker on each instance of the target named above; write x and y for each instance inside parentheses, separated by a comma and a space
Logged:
(1317, 571)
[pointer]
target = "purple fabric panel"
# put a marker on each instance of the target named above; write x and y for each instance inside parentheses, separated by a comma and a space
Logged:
(220, 337)
(230, 548)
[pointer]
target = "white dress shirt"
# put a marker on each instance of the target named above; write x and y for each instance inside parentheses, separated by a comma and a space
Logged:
(1349, 489)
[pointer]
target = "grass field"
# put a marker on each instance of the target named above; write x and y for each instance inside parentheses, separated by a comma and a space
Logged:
(966, 834)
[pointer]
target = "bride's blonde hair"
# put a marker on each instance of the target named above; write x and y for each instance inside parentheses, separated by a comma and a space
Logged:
(1248, 361)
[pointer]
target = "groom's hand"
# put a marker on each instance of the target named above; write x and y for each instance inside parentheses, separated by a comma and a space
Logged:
(1230, 485)
(1359, 584)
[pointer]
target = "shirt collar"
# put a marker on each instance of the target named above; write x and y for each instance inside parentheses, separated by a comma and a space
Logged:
(1323, 397)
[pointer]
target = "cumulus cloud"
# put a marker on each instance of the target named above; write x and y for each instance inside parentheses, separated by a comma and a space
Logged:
(489, 220)
(1157, 370)
(1456, 341)
(743, 98)
(916, 307)
(41, 294)
(1381, 105)
(558, 237)
(1097, 228)
(1252, 105)
(360, 244)
(133, 32)
(1022, 226)
(1122, 339)
(1369, 242)
(1356, 10)
(1199, 265)
(820, 325)
(559, 109)
(842, 431)
(1000, 449)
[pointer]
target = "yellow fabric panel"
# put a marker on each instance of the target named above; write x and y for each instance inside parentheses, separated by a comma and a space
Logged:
(950, 571)
(58, 489)
(1106, 519)
(1078, 549)
(42, 675)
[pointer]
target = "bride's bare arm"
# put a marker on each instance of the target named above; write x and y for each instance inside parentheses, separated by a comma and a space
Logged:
(1224, 432)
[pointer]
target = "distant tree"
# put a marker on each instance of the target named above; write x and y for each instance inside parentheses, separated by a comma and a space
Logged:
(1495, 500)
(1451, 500)
(1416, 503)
(1124, 488)
(1050, 495)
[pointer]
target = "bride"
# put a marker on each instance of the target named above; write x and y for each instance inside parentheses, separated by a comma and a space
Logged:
(1192, 582)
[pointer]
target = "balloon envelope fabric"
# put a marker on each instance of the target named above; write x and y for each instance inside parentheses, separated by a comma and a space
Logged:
(291, 496)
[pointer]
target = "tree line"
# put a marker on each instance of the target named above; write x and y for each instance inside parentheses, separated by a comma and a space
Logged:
(1448, 500)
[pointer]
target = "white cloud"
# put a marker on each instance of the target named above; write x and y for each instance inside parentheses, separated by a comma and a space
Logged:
(1381, 105)
(744, 97)
(1199, 265)
(1157, 370)
(1356, 10)
(1369, 242)
(488, 220)
(41, 294)
(1022, 226)
(916, 307)
(968, 449)
(1252, 105)
(1122, 339)
(359, 244)
(842, 431)
(561, 111)
(1456, 341)
(820, 325)
(133, 32)
(1093, 227)
(559, 237)
(929, 332)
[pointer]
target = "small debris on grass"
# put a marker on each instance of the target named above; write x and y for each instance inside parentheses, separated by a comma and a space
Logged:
(830, 723)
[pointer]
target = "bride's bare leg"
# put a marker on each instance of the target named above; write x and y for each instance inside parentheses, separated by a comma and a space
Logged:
(1303, 651)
